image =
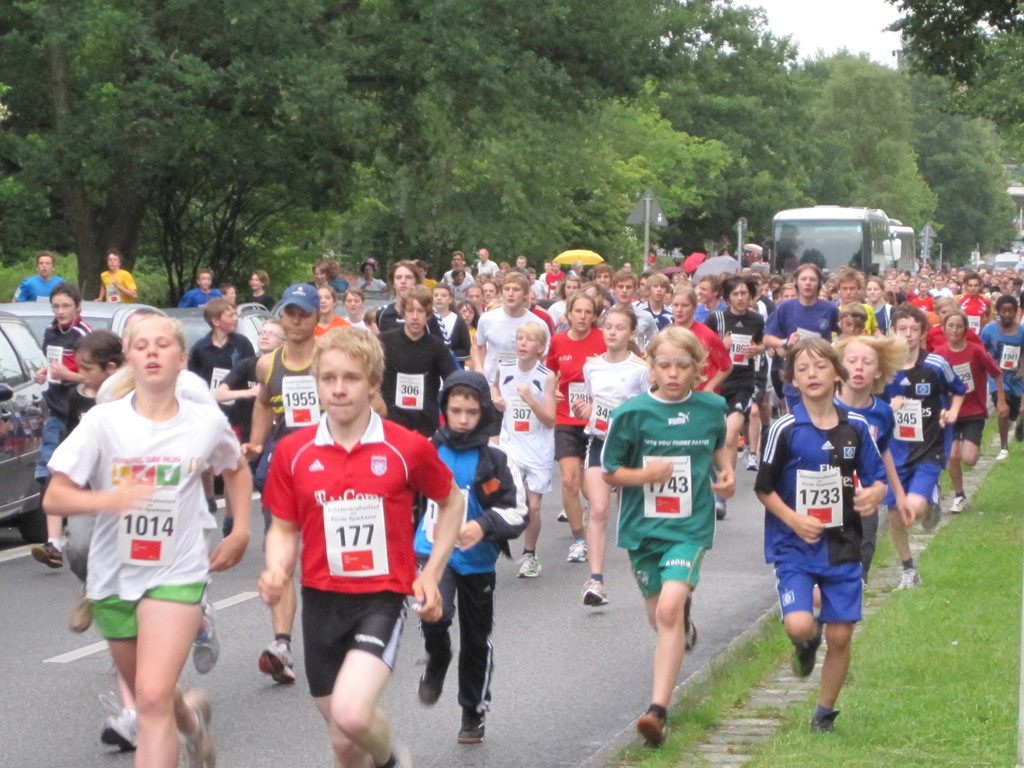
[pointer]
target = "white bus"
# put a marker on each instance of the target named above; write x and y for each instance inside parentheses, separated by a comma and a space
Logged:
(902, 247)
(831, 237)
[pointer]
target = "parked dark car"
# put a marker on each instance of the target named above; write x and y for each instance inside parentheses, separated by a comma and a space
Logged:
(22, 414)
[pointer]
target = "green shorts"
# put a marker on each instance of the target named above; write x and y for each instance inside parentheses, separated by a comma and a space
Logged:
(656, 562)
(115, 618)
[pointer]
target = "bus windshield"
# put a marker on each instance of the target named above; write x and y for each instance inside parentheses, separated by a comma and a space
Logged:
(829, 244)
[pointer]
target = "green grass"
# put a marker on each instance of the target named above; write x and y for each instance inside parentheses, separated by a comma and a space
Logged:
(935, 672)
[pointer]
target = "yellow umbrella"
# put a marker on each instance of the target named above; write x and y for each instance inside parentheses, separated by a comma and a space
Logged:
(589, 258)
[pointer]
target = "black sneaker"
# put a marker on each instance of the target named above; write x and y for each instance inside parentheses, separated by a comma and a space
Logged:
(1018, 431)
(804, 654)
(824, 723)
(432, 682)
(472, 731)
(931, 519)
(652, 728)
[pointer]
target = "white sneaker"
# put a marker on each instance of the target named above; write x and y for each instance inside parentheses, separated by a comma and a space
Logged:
(276, 661)
(1004, 453)
(753, 463)
(577, 552)
(562, 517)
(121, 731)
(199, 751)
(959, 502)
(909, 579)
(529, 566)
(206, 646)
(595, 593)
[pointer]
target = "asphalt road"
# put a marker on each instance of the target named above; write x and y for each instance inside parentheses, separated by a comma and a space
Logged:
(568, 679)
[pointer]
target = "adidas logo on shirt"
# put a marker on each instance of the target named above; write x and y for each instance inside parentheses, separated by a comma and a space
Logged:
(316, 466)
(827, 446)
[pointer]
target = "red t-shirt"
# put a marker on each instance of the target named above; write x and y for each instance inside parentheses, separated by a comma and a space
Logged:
(926, 302)
(545, 317)
(718, 355)
(936, 338)
(974, 307)
(566, 357)
(310, 474)
(973, 365)
(552, 281)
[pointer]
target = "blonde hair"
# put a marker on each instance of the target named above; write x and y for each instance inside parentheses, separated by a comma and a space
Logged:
(687, 290)
(357, 344)
(683, 338)
(534, 331)
(126, 383)
(891, 352)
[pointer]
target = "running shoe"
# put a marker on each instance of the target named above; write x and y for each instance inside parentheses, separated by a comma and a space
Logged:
(206, 646)
(562, 517)
(47, 554)
(824, 723)
(753, 463)
(931, 519)
(720, 509)
(959, 502)
(652, 728)
(577, 552)
(80, 616)
(595, 593)
(121, 730)
(1004, 453)
(276, 661)
(690, 628)
(472, 730)
(1018, 431)
(432, 682)
(199, 750)
(804, 654)
(529, 566)
(909, 579)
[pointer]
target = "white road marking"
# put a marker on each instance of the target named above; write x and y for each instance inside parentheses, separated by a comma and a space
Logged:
(89, 650)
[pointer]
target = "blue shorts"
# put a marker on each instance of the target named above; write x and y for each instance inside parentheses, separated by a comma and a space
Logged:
(922, 480)
(841, 589)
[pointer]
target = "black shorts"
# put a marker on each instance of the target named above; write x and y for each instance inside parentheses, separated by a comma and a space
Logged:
(570, 441)
(594, 449)
(334, 623)
(740, 399)
(969, 430)
(1013, 401)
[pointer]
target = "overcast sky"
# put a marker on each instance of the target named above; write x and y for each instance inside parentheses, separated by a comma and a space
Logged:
(830, 25)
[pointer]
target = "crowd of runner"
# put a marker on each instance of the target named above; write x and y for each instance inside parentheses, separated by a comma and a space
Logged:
(452, 405)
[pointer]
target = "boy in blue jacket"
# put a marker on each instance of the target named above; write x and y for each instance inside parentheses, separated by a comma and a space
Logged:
(495, 512)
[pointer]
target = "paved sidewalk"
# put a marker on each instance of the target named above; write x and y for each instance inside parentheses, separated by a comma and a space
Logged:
(749, 725)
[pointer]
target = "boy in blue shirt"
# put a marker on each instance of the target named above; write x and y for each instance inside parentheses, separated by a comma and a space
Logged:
(495, 512)
(812, 526)
(1003, 339)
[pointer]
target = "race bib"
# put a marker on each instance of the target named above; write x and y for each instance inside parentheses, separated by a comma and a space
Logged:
(577, 392)
(909, 423)
(409, 391)
(673, 498)
(973, 321)
(1010, 358)
(147, 536)
(524, 420)
(819, 494)
(54, 354)
(507, 356)
(357, 543)
(803, 333)
(601, 413)
(740, 341)
(430, 514)
(964, 372)
(112, 294)
(300, 399)
(217, 377)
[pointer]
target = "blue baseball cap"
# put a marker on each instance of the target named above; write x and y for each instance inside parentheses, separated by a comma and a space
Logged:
(302, 295)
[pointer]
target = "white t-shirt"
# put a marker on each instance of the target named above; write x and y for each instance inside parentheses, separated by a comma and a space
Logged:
(497, 329)
(190, 386)
(557, 314)
(526, 441)
(113, 441)
(611, 384)
(487, 268)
